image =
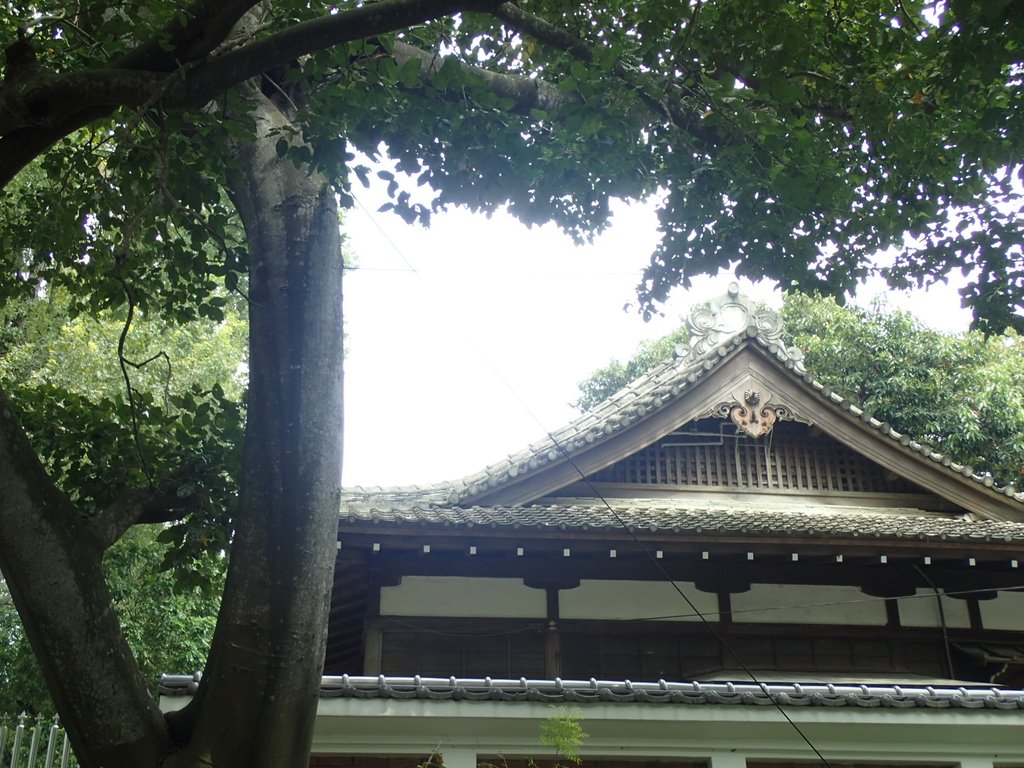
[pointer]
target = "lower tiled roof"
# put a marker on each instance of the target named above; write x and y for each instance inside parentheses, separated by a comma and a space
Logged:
(660, 692)
(679, 517)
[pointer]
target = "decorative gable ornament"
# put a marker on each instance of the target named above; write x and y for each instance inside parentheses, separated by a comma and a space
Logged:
(754, 411)
(722, 320)
(719, 321)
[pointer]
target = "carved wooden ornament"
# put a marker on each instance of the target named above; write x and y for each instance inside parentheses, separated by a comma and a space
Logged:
(753, 409)
(751, 413)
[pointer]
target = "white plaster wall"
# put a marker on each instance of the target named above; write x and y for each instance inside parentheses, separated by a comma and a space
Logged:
(804, 604)
(600, 599)
(922, 611)
(463, 596)
(1005, 612)
(729, 735)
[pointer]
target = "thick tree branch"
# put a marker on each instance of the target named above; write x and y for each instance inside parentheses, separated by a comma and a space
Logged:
(65, 607)
(192, 35)
(528, 93)
(21, 147)
(24, 483)
(281, 48)
(543, 31)
(139, 506)
(40, 110)
(673, 105)
(48, 100)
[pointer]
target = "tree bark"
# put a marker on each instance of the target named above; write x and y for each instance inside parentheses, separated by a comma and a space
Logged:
(269, 644)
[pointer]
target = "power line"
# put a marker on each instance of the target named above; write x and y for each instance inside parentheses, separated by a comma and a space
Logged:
(745, 611)
(597, 494)
(695, 612)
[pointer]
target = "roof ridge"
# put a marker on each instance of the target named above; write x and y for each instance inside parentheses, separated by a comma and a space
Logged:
(734, 314)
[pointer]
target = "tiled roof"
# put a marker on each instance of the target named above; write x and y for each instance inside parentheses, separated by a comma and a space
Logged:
(660, 692)
(718, 329)
(678, 516)
(642, 397)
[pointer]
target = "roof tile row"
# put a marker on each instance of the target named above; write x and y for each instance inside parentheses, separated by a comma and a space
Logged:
(677, 517)
(660, 692)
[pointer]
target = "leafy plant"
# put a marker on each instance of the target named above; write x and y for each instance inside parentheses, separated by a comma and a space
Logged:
(564, 732)
(159, 159)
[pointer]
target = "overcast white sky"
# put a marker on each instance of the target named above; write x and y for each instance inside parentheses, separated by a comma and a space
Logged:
(466, 340)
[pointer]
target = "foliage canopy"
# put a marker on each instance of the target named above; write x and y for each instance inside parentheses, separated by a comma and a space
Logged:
(166, 594)
(794, 139)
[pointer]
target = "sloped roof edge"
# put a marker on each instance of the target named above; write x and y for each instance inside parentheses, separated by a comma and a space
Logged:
(640, 399)
(718, 330)
(695, 519)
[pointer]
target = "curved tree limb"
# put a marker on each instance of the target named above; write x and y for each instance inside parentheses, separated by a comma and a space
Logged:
(139, 506)
(278, 49)
(528, 93)
(47, 100)
(188, 37)
(543, 31)
(39, 110)
(65, 607)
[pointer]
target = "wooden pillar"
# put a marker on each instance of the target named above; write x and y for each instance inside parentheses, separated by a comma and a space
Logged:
(552, 641)
(371, 650)
(724, 607)
(372, 635)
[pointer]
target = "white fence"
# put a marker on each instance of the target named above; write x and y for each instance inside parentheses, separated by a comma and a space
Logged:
(34, 744)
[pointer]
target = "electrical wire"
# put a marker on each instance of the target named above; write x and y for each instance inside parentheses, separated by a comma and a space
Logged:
(625, 527)
(696, 611)
(789, 607)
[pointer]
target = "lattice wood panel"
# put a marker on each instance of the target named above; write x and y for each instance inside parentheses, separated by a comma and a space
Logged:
(711, 453)
(433, 654)
(642, 656)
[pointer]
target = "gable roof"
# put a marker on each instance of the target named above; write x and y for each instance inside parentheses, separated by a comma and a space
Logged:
(735, 354)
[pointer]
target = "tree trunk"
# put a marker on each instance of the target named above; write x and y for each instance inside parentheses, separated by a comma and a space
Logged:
(257, 700)
(269, 644)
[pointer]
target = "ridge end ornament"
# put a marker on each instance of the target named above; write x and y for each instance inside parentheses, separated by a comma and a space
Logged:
(722, 319)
